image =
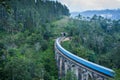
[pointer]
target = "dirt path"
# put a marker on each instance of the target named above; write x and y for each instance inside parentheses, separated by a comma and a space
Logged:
(66, 39)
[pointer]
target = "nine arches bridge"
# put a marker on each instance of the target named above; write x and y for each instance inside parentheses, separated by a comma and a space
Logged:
(81, 68)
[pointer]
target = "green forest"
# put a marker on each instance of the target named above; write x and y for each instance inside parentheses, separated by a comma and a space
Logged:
(95, 39)
(28, 29)
(27, 39)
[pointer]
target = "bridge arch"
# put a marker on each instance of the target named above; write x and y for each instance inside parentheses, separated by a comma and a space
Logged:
(90, 76)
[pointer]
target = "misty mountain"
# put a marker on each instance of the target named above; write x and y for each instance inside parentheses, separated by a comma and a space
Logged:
(110, 14)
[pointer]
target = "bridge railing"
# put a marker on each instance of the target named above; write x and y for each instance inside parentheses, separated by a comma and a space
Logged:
(98, 68)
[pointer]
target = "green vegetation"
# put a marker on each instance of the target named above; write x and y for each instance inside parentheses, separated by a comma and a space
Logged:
(27, 39)
(28, 29)
(96, 39)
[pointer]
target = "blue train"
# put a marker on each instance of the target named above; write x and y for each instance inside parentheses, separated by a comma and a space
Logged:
(91, 65)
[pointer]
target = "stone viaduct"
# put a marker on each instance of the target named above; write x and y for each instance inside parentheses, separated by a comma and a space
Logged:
(79, 67)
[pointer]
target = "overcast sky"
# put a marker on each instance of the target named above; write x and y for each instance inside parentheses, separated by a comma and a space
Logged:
(82, 5)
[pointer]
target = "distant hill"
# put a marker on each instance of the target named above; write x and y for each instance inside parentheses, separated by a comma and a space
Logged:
(111, 14)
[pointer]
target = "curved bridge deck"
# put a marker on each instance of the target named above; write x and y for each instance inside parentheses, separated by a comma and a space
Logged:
(83, 67)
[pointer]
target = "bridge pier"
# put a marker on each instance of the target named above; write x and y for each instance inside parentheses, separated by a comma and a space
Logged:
(60, 67)
(76, 72)
(66, 67)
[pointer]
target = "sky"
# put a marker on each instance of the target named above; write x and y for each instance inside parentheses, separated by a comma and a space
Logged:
(83, 5)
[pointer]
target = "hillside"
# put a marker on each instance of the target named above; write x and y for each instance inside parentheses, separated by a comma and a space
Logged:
(96, 40)
(28, 29)
(110, 14)
(27, 39)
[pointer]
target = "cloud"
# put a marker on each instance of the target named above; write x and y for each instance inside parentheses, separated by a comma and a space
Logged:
(82, 5)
